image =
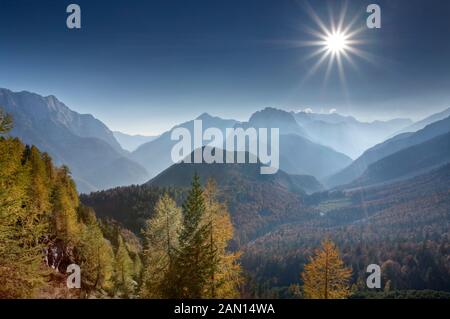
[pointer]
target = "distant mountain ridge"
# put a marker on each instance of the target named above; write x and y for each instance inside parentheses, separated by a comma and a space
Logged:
(81, 142)
(179, 175)
(271, 117)
(31, 107)
(408, 162)
(345, 133)
(298, 154)
(426, 121)
(132, 142)
(155, 156)
(257, 202)
(391, 146)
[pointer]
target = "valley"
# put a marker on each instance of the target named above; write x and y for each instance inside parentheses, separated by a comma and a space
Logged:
(388, 206)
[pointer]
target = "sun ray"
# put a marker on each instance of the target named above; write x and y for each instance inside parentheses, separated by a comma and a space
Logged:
(336, 43)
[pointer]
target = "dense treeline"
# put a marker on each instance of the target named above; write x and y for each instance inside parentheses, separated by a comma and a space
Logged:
(256, 207)
(404, 228)
(185, 247)
(132, 206)
(44, 228)
(186, 252)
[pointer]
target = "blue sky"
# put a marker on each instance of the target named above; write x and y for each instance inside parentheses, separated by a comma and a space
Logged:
(143, 66)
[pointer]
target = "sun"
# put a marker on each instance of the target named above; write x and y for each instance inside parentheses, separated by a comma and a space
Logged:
(336, 42)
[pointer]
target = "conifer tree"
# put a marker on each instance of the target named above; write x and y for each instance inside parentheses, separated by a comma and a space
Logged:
(39, 202)
(97, 257)
(161, 242)
(64, 205)
(20, 274)
(325, 276)
(123, 272)
(193, 264)
(226, 274)
(22, 225)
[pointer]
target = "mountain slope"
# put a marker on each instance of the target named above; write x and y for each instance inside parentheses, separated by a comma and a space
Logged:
(298, 154)
(54, 128)
(408, 162)
(257, 203)
(34, 109)
(346, 134)
(155, 156)
(404, 224)
(179, 175)
(132, 142)
(274, 118)
(301, 156)
(426, 121)
(387, 148)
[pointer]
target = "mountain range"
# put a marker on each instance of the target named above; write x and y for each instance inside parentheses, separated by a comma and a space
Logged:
(313, 147)
(180, 175)
(132, 142)
(155, 156)
(426, 121)
(346, 134)
(387, 148)
(408, 162)
(390, 206)
(83, 143)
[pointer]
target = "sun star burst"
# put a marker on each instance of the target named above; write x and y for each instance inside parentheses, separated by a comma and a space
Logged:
(336, 42)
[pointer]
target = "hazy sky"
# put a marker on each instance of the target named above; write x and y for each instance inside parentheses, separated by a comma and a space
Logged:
(143, 66)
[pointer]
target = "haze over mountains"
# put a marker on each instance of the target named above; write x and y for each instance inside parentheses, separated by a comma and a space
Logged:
(155, 156)
(386, 205)
(345, 133)
(388, 148)
(315, 146)
(426, 121)
(81, 142)
(180, 175)
(132, 142)
(408, 162)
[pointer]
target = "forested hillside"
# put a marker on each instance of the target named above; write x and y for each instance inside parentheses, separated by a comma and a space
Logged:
(44, 228)
(142, 242)
(257, 203)
(80, 141)
(403, 227)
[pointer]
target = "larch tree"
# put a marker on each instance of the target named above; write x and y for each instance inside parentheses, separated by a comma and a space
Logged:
(65, 203)
(325, 276)
(96, 255)
(123, 272)
(225, 273)
(39, 205)
(22, 220)
(161, 243)
(20, 253)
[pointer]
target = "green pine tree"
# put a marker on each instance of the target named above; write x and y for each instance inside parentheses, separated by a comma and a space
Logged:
(192, 268)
